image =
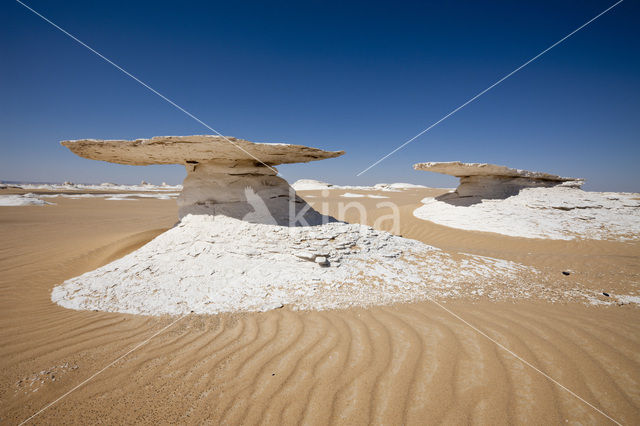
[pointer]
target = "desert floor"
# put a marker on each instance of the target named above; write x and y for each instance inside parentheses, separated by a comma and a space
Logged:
(404, 364)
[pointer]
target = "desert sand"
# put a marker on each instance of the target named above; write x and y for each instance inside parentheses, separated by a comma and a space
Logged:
(416, 363)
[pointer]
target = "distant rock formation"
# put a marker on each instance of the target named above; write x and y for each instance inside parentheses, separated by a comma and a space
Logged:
(489, 181)
(310, 185)
(314, 185)
(225, 175)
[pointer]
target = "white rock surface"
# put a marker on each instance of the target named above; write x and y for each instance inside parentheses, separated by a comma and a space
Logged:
(315, 185)
(487, 181)
(321, 260)
(21, 200)
(395, 186)
(356, 195)
(93, 187)
(554, 213)
(212, 264)
(310, 185)
(109, 196)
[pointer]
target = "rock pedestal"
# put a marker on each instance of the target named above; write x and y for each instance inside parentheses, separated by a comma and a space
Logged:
(225, 176)
(490, 181)
(255, 195)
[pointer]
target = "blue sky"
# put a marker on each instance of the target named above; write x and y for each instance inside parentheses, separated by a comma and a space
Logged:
(358, 76)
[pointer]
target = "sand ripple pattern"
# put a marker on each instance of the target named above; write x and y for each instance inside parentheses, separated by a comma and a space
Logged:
(410, 364)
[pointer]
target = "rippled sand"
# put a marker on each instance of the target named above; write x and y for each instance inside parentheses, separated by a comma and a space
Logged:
(411, 363)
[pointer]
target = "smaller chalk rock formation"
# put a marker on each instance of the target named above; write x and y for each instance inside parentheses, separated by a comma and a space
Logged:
(310, 185)
(225, 175)
(489, 181)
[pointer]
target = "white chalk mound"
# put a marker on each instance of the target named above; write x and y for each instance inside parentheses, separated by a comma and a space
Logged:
(310, 185)
(21, 200)
(212, 264)
(554, 213)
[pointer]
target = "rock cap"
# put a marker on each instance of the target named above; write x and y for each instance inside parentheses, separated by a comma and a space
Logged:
(459, 169)
(194, 149)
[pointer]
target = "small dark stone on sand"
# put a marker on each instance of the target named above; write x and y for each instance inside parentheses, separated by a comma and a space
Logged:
(606, 294)
(566, 273)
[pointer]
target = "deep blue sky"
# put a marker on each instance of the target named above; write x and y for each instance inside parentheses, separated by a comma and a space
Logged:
(358, 76)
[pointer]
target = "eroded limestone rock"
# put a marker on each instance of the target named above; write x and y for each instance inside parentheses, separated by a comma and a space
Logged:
(225, 175)
(490, 181)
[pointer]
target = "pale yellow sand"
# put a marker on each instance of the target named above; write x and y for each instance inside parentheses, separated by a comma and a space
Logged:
(411, 364)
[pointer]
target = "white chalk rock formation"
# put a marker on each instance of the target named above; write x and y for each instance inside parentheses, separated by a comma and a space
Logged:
(557, 213)
(211, 264)
(489, 181)
(314, 185)
(225, 175)
(310, 185)
(13, 200)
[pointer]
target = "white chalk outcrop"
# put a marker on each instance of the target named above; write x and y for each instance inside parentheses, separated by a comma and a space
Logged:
(211, 264)
(490, 181)
(315, 185)
(557, 213)
(115, 196)
(396, 186)
(80, 187)
(225, 175)
(310, 185)
(14, 200)
(520, 203)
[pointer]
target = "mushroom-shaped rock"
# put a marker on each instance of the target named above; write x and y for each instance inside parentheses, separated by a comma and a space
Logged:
(225, 175)
(481, 180)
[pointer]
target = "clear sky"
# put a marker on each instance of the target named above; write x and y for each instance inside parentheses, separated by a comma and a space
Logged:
(358, 76)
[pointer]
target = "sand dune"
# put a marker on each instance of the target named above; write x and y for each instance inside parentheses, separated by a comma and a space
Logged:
(401, 364)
